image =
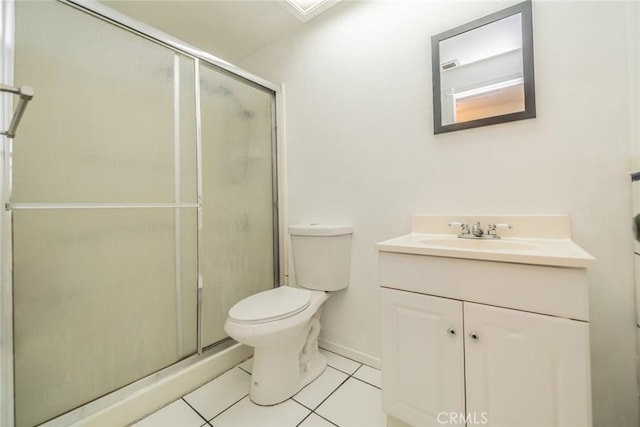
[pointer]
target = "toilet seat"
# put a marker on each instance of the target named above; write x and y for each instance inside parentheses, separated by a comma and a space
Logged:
(268, 306)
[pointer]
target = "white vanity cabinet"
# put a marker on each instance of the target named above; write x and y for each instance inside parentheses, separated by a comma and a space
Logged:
(525, 368)
(422, 357)
(464, 343)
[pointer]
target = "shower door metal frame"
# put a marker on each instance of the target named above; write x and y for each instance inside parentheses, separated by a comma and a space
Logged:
(280, 251)
(6, 287)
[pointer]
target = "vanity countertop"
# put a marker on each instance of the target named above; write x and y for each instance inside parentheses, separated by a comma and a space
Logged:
(534, 240)
(551, 252)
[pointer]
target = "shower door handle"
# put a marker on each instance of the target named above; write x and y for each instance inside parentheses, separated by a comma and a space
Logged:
(26, 94)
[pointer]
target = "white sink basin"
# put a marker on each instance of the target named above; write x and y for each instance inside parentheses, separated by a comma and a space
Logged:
(478, 244)
(553, 252)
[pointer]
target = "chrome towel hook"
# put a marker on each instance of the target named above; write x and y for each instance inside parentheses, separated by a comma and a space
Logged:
(26, 94)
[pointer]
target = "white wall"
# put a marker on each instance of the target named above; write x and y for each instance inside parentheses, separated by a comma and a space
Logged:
(361, 149)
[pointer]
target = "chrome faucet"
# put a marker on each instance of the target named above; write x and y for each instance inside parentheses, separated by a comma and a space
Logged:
(476, 231)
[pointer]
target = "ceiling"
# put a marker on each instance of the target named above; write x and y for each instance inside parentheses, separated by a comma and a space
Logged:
(228, 29)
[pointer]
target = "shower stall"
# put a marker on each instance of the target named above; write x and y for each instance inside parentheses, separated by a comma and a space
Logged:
(139, 204)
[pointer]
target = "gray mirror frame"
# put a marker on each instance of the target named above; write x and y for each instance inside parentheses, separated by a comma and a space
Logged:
(528, 73)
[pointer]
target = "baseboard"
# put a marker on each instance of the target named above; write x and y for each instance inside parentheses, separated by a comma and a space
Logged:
(150, 399)
(350, 353)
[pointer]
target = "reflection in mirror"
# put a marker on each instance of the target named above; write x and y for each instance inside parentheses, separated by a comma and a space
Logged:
(480, 79)
(483, 71)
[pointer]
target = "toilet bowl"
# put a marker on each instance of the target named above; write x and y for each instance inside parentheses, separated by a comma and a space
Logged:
(283, 324)
(286, 356)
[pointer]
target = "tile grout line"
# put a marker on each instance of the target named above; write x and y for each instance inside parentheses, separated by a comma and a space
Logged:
(323, 400)
(367, 383)
(330, 394)
(194, 409)
(208, 422)
(347, 372)
(352, 375)
(312, 410)
(344, 357)
(227, 408)
(360, 363)
(307, 416)
(302, 404)
(324, 418)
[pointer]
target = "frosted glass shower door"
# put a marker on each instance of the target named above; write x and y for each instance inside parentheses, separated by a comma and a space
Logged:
(104, 210)
(238, 195)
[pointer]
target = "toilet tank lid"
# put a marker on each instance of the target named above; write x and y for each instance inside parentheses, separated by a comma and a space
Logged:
(319, 230)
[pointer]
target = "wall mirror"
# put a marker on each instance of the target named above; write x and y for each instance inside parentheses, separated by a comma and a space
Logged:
(483, 71)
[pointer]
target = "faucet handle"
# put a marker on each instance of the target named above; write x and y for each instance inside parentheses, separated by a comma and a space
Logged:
(491, 228)
(464, 227)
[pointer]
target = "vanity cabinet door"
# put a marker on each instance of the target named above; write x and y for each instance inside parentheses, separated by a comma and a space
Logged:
(525, 369)
(422, 358)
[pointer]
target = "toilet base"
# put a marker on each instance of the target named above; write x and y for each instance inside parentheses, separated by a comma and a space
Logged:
(274, 383)
(315, 368)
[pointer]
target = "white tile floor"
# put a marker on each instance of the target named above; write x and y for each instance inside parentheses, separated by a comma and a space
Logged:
(347, 394)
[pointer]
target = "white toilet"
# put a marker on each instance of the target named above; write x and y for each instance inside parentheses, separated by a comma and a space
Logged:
(283, 323)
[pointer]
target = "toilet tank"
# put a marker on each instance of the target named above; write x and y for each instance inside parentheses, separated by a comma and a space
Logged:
(321, 255)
